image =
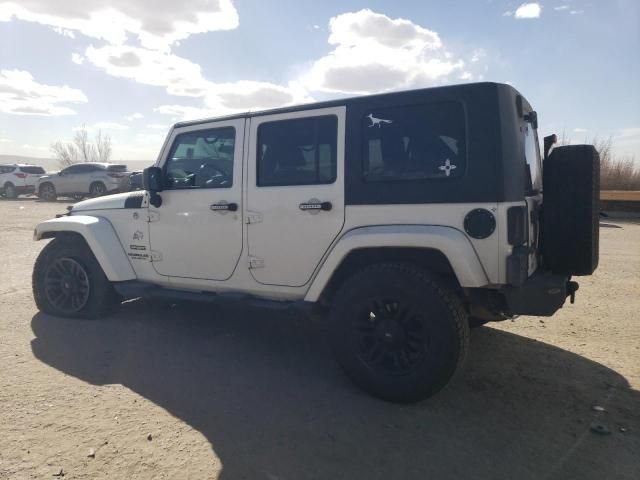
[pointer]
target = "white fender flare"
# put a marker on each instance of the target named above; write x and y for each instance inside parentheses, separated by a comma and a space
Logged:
(452, 243)
(101, 238)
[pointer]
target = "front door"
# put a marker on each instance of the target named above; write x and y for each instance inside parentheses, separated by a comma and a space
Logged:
(197, 231)
(295, 192)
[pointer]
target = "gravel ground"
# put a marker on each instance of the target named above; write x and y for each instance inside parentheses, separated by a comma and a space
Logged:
(234, 392)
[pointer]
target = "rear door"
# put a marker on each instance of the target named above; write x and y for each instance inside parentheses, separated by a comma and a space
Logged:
(295, 192)
(32, 173)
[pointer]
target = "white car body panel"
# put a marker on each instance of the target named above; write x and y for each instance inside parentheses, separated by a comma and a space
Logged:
(101, 238)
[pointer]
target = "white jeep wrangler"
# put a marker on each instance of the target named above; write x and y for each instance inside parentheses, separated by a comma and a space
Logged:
(406, 216)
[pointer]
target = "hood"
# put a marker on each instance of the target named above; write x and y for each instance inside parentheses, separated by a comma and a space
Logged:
(111, 202)
(47, 175)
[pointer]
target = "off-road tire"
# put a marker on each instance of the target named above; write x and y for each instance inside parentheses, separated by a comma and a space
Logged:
(47, 192)
(434, 310)
(570, 210)
(97, 189)
(102, 297)
(10, 191)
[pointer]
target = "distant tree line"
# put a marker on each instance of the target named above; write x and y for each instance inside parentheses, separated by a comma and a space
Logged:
(616, 172)
(81, 149)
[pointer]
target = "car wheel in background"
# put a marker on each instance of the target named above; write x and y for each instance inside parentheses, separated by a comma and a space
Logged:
(47, 192)
(97, 189)
(10, 190)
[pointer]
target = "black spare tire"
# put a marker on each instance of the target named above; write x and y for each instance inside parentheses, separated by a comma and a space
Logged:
(571, 208)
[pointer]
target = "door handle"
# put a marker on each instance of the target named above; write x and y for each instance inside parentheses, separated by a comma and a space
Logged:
(326, 206)
(224, 207)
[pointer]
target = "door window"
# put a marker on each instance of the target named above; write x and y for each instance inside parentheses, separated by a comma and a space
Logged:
(201, 159)
(297, 152)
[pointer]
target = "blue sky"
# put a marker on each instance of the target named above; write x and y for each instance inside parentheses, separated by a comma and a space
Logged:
(133, 67)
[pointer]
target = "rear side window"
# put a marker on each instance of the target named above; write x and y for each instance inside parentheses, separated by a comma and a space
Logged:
(298, 152)
(117, 168)
(32, 170)
(532, 158)
(414, 142)
(6, 169)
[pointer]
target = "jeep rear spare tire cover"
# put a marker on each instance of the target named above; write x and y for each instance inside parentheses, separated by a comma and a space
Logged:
(571, 208)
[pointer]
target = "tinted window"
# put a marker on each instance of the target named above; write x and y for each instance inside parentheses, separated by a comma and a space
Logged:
(117, 168)
(202, 159)
(73, 169)
(532, 158)
(414, 142)
(6, 169)
(297, 152)
(32, 170)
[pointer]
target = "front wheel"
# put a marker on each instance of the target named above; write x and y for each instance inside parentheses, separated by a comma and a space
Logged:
(69, 282)
(10, 191)
(398, 332)
(47, 192)
(97, 189)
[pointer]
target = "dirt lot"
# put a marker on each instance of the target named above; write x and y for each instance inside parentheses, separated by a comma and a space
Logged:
(234, 392)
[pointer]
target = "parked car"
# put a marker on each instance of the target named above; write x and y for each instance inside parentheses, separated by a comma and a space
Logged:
(19, 179)
(404, 217)
(135, 181)
(84, 179)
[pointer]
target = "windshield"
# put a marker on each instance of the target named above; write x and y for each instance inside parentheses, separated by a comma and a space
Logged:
(532, 157)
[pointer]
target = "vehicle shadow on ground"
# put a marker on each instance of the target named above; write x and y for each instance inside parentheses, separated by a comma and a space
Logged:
(263, 388)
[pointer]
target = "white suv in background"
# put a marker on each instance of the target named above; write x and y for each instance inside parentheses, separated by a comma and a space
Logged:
(84, 179)
(19, 179)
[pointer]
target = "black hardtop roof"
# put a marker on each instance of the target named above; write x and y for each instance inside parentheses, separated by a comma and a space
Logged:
(451, 90)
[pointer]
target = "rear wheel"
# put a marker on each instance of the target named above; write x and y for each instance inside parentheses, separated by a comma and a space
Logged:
(10, 190)
(69, 282)
(398, 332)
(97, 189)
(47, 192)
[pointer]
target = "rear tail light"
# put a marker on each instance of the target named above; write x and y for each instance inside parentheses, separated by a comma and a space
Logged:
(517, 224)
(20, 175)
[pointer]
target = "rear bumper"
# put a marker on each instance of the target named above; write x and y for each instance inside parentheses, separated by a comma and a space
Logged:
(542, 294)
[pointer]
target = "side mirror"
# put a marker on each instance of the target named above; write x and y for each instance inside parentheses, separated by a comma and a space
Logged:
(152, 179)
(532, 118)
(549, 142)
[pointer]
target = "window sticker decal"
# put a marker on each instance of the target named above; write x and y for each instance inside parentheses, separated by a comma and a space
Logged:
(447, 167)
(377, 122)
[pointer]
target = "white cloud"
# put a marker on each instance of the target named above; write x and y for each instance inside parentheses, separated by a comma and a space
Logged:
(580, 130)
(77, 58)
(508, 13)
(561, 8)
(110, 126)
(178, 75)
(375, 53)
(64, 32)
(134, 116)
(157, 23)
(158, 126)
(576, 12)
(20, 94)
(5, 140)
(528, 10)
